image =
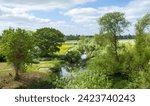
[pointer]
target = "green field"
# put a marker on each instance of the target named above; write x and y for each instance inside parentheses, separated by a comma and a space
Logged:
(131, 41)
(67, 46)
(33, 72)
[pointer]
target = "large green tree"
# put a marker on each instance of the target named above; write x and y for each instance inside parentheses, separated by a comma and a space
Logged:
(49, 40)
(18, 46)
(113, 24)
(142, 41)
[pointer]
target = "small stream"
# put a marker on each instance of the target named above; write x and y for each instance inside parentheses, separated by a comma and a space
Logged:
(64, 72)
(65, 69)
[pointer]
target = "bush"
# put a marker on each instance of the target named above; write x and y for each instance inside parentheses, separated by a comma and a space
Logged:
(2, 58)
(88, 80)
(44, 83)
(73, 57)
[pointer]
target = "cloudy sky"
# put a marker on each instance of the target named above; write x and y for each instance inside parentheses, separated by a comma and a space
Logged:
(69, 16)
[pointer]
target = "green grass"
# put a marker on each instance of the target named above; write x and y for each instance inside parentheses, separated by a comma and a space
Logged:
(4, 66)
(128, 43)
(42, 64)
(5, 69)
(67, 46)
(131, 41)
(63, 49)
(71, 42)
(32, 73)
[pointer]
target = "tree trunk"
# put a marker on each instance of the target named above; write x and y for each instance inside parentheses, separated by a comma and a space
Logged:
(16, 72)
(116, 52)
(116, 47)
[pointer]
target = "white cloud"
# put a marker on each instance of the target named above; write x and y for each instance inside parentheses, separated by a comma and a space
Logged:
(18, 13)
(42, 4)
(85, 11)
(83, 15)
(88, 16)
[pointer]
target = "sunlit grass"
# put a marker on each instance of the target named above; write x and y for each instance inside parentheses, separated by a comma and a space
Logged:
(64, 49)
(4, 66)
(131, 41)
(71, 42)
(66, 46)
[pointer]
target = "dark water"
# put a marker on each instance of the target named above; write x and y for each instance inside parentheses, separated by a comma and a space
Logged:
(65, 69)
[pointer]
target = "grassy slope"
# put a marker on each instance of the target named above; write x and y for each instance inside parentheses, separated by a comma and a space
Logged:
(32, 73)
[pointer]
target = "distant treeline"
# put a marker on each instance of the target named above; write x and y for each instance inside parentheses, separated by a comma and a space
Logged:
(126, 37)
(77, 37)
(73, 37)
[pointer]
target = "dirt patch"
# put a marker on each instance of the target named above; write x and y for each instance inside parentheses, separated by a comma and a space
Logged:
(25, 79)
(12, 85)
(32, 76)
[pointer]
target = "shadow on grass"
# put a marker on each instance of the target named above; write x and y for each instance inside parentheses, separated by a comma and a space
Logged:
(38, 81)
(38, 84)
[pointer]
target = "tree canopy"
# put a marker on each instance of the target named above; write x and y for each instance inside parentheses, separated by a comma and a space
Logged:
(49, 40)
(113, 24)
(17, 46)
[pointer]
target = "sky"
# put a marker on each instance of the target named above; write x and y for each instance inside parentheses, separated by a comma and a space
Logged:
(68, 16)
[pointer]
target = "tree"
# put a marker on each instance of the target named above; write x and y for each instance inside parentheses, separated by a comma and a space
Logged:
(142, 24)
(2, 57)
(142, 42)
(136, 60)
(49, 40)
(113, 24)
(17, 46)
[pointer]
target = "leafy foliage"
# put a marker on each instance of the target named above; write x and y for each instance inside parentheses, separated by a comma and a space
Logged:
(18, 46)
(113, 24)
(88, 80)
(115, 65)
(49, 40)
(73, 57)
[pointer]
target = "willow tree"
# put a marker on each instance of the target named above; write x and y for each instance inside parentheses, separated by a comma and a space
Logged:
(17, 46)
(142, 42)
(113, 24)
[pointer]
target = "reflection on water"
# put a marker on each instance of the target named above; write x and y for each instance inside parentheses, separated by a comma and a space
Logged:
(64, 72)
(83, 56)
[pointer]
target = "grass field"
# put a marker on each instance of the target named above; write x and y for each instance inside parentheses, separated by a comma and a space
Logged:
(67, 46)
(71, 42)
(34, 72)
(131, 41)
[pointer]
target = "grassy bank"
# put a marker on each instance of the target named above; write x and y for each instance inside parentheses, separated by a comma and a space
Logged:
(35, 73)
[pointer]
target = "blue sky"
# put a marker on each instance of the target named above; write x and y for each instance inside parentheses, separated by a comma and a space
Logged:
(56, 16)
(68, 16)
